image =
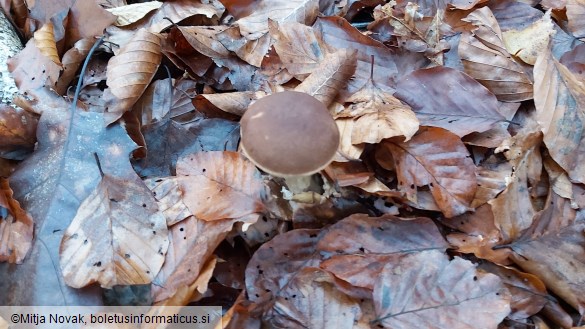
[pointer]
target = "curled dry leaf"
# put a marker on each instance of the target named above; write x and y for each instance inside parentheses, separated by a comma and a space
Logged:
(513, 208)
(437, 158)
(118, 237)
(204, 40)
(235, 103)
(255, 25)
(576, 17)
(45, 41)
(379, 115)
(16, 227)
(330, 76)
(486, 59)
(192, 242)
(444, 97)
(128, 14)
(426, 290)
(72, 60)
(232, 185)
(132, 69)
(531, 41)
(560, 102)
(347, 150)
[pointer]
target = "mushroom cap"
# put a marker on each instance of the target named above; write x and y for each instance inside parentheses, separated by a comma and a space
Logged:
(289, 134)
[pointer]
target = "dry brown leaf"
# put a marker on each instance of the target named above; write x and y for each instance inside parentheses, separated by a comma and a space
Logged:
(330, 76)
(17, 130)
(493, 176)
(426, 290)
(45, 41)
(379, 115)
(437, 158)
(513, 209)
(219, 185)
(486, 59)
(128, 14)
(528, 292)
(444, 97)
(192, 242)
(560, 105)
(531, 41)
(170, 199)
(276, 262)
(31, 69)
(118, 237)
(557, 257)
(197, 288)
(255, 25)
(131, 70)
(16, 227)
(347, 150)
(576, 17)
(311, 300)
(362, 245)
(479, 235)
(337, 33)
(204, 40)
(298, 47)
(72, 60)
(235, 103)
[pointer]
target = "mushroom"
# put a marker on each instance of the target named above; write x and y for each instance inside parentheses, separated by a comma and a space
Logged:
(289, 134)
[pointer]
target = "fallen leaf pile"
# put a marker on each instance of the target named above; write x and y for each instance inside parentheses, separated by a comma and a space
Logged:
(455, 199)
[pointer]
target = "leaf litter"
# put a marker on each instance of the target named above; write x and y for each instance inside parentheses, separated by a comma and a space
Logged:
(454, 200)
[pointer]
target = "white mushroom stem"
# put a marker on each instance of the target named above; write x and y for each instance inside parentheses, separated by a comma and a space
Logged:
(10, 45)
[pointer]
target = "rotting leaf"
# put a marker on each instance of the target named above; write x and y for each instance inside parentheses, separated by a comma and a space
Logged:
(118, 236)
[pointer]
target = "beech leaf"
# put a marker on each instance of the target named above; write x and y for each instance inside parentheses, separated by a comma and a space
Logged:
(560, 105)
(486, 59)
(231, 183)
(132, 69)
(446, 98)
(118, 236)
(426, 290)
(437, 158)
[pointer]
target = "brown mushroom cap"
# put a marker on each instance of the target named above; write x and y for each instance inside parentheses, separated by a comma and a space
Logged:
(288, 134)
